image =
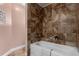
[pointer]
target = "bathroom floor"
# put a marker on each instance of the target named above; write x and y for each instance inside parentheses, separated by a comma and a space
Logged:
(20, 52)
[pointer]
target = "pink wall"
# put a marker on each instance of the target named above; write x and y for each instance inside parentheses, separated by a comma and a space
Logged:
(12, 34)
(18, 24)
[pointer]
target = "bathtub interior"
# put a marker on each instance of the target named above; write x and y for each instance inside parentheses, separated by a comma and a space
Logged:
(56, 48)
(51, 45)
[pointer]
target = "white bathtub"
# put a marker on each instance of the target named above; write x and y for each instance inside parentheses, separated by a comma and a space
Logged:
(43, 48)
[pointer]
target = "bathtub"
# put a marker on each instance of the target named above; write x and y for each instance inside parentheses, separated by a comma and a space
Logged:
(43, 48)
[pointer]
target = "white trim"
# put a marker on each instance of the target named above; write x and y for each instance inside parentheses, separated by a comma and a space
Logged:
(13, 49)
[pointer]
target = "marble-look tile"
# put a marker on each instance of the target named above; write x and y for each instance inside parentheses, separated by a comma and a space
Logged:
(34, 22)
(60, 20)
(54, 20)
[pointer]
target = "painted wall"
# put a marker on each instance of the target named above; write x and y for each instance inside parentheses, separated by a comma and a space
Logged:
(18, 24)
(5, 30)
(12, 34)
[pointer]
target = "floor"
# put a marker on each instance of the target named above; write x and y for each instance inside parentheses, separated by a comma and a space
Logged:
(20, 52)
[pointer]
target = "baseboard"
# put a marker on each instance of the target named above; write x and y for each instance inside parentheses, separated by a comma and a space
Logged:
(13, 49)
